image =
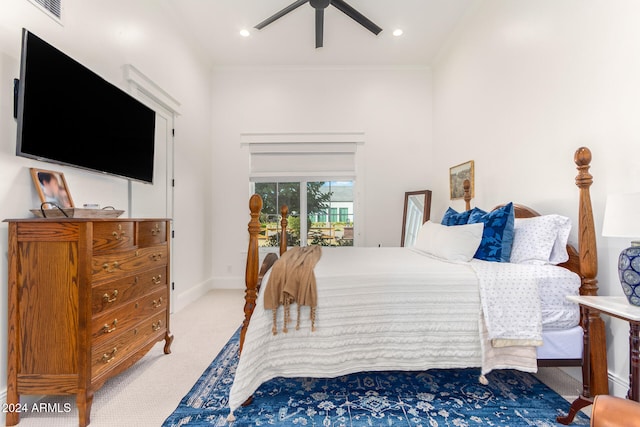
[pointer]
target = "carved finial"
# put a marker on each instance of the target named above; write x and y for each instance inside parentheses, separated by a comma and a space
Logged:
(255, 204)
(582, 159)
(466, 186)
(284, 211)
(582, 156)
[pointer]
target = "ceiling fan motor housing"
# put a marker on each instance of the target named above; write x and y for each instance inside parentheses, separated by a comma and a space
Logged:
(319, 4)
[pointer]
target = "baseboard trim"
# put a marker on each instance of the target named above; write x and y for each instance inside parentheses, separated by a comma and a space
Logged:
(228, 282)
(618, 386)
(192, 294)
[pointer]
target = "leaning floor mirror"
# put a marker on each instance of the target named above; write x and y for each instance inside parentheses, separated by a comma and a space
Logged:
(417, 210)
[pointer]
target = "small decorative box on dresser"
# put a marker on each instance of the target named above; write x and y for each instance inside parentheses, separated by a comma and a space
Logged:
(87, 299)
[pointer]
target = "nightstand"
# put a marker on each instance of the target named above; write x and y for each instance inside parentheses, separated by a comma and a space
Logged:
(620, 308)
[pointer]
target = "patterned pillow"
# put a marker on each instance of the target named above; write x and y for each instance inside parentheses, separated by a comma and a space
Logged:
(497, 237)
(540, 240)
(452, 217)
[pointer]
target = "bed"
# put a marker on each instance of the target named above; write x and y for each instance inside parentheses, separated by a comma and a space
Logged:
(406, 309)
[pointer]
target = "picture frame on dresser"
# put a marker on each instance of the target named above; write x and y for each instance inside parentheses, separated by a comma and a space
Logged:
(457, 176)
(52, 188)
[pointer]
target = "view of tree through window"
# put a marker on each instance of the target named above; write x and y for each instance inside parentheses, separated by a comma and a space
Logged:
(328, 211)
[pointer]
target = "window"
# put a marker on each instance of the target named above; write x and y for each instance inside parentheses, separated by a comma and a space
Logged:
(328, 207)
(314, 174)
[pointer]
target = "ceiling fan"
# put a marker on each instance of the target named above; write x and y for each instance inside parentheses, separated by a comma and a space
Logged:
(320, 6)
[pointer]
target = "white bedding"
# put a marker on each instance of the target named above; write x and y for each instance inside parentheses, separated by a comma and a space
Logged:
(378, 309)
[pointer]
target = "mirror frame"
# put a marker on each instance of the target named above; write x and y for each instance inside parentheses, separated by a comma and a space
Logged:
(425, 215)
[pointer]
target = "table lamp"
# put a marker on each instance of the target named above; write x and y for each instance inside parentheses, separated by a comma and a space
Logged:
(622, 219)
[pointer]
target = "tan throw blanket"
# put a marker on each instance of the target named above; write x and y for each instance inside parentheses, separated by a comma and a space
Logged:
(292, 280)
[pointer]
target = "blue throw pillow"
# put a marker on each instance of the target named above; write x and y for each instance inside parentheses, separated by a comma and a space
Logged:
(497, 237)
(452, 217)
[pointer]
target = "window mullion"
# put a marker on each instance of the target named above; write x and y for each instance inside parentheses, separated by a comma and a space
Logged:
(303, 213)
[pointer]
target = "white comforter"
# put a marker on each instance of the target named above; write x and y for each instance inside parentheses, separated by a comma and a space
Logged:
(378, 309)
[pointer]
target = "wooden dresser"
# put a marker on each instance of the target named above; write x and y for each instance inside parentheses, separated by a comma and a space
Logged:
(87, 299)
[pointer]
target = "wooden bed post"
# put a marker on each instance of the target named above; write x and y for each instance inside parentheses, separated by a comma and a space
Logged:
(594, 367)
(597, 377)
(251, 272)
(466, 185)
(284, 212)
(586, 229)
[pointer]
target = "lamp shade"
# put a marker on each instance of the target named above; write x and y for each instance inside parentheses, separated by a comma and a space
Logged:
(622, 216)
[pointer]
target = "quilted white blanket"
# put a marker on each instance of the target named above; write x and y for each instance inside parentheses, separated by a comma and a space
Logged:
(378, 309)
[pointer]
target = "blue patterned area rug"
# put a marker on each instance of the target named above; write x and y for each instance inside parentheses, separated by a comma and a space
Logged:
(438, 397)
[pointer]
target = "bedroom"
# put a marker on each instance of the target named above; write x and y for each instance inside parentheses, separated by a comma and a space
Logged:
(519, 84)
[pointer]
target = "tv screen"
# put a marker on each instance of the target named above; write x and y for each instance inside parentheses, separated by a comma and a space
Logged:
(69, 115)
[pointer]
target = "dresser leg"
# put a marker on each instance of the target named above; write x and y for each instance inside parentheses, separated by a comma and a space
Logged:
(168, 339)
(13, 400)
(13, 417)
(84, 401)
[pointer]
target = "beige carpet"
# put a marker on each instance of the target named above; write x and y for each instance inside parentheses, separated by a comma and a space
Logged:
(148, 392)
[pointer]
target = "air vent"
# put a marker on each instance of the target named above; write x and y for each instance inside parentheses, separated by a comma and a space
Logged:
(54, 7)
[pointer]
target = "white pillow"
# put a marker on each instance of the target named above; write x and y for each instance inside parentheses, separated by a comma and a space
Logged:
(453, 243)
(540, 240)
(559, 252)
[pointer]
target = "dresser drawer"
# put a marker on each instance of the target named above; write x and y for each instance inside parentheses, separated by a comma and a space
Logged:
(152, 233)
(111, 295)
(120, 264)
(113, 235)
(111, 352)
(126, 316)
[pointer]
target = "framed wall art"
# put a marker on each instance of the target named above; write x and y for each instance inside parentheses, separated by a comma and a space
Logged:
(457, 176)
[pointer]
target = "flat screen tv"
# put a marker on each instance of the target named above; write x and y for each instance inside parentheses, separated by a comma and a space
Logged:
(69, 115)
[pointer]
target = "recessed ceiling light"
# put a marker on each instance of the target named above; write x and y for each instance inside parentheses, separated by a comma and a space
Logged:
(397, 32)
(245, 33)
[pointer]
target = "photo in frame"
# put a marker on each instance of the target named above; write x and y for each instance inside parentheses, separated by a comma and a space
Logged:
(457, 176)
(52, 188)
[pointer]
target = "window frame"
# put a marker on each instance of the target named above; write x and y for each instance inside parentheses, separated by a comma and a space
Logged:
(303, 208)
(325, 143)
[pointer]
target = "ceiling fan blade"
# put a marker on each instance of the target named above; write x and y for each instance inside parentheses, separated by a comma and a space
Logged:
(356, 16)
(319, 27)
(280, 14)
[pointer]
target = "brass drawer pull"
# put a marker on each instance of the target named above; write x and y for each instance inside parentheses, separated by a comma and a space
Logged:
(155, 257)
(112, 298)
(157, 303)
(108, 357)
(118, 234)
(112, 268)
(107, 330)
(155, 230)
(157, 279)
(155, 326)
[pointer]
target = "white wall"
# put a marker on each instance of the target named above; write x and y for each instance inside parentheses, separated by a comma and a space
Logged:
(519, 88)
(391, 106)
(104, 36)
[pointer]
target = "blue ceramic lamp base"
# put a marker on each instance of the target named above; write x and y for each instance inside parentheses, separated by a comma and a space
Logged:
(629, 272)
